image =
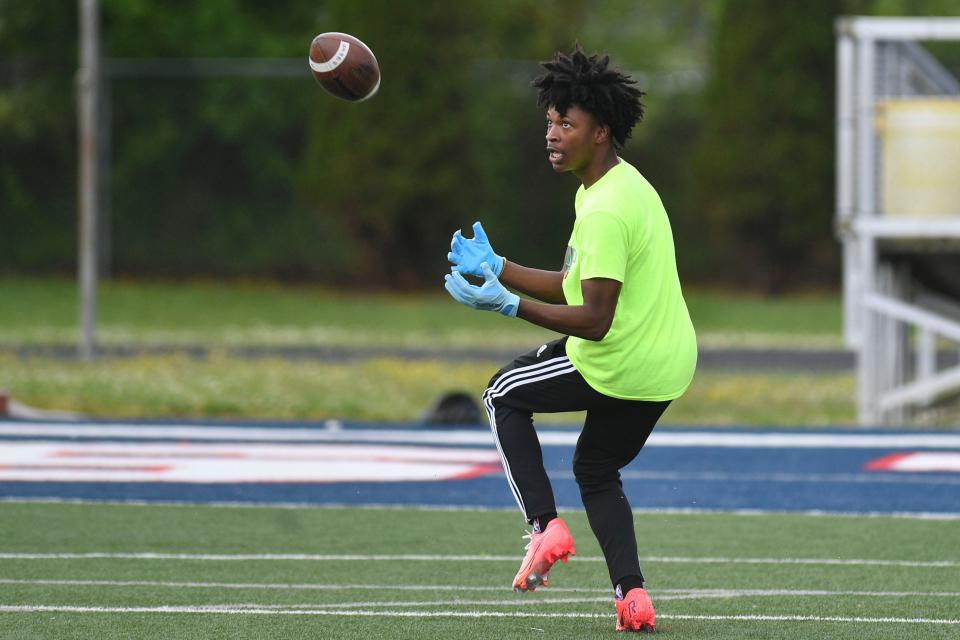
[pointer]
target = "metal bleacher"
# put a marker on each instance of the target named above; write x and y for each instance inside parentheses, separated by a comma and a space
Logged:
(898, 214)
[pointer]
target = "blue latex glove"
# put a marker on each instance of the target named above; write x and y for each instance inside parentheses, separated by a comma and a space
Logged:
(466, 255)
(491, 296)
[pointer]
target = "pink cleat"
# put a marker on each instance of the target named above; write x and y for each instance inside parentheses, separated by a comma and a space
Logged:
(635, 611)
(543, 550)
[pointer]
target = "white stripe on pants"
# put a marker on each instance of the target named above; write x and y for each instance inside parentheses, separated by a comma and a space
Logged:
(514, 378)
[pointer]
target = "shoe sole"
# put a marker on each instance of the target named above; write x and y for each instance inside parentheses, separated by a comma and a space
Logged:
(535, 579)
(644, 628)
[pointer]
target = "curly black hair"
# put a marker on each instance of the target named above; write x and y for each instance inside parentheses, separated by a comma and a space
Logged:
(587, 82)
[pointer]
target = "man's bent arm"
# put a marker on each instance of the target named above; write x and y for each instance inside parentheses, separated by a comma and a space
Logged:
(540, 284)
(590, 321)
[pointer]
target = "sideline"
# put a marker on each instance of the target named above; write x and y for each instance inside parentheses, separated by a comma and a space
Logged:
(668, 511)
(659, 594)
(335, 431)
(379, 613)
(354, 557)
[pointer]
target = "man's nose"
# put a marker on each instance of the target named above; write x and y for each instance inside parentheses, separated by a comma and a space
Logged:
(551, 135)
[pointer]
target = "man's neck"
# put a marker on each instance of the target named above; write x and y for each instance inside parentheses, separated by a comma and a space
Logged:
(602, 163)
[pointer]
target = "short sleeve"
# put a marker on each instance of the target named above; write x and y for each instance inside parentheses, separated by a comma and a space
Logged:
(603, 246)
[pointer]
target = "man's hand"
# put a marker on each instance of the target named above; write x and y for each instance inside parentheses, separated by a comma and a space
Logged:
(467, 255)
(491, 296)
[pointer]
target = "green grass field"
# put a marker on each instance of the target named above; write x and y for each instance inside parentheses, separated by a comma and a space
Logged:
(39, 311)
(35, 311)
(380, 389)
(83, 571)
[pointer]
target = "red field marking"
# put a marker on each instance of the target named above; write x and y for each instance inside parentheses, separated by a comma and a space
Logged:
(917, 461)
(50, 461)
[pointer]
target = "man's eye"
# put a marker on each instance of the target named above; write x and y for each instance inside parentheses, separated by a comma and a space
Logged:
(566, 125)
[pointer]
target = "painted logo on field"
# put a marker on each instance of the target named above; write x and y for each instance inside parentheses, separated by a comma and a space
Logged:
(53, 461)
(917, 461)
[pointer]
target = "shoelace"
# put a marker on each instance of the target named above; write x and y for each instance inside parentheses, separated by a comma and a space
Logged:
(529, 537)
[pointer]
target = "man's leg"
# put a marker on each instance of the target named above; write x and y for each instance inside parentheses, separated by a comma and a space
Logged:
(612, 436)
(542, 381)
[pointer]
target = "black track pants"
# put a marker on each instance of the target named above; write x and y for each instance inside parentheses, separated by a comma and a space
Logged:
(545, 381)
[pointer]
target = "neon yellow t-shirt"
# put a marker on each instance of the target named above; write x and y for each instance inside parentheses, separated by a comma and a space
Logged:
(622, 232)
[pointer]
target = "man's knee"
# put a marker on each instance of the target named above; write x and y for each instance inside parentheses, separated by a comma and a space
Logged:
(591, 474)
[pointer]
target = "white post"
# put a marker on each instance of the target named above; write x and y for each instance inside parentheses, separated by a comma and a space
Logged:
(88, 80)
(868, 360)
(866, 148)
(845, 187)
(869, 357)
(926, 358)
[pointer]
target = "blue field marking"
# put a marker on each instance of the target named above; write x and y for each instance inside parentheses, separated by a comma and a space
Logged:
(680, 468)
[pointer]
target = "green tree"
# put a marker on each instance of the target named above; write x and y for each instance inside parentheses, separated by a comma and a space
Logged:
(37, 135)
(764, 168)
(272, 177)
(202, 165)
(444, 142)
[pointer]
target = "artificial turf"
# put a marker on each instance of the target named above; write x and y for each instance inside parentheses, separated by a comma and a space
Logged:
(269, 572)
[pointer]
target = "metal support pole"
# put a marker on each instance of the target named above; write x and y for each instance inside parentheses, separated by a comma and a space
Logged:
(926, 358)
(870, 355)
(104, 160)
(846, 189)
(88, 81)
(868, 360)
(866, 147)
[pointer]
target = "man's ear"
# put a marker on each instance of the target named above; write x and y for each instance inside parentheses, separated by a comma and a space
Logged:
(602, 134)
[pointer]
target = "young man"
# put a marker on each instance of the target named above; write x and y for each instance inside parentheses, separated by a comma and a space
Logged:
(630, 347)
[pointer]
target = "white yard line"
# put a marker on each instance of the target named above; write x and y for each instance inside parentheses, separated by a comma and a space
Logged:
(659, 594)
(515, 601)
(733, 594)
(839, 478)
(864, 562)
(789, 618)
(683, 511)
(383, 613)
(244, 557)
(309, 557)
(548, 437)
(285, 586)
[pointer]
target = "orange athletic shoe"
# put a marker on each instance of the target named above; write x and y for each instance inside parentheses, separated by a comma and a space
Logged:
(635, 611)
(543, 550)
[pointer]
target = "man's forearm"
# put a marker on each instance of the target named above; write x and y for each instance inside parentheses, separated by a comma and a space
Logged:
(580, 320)
(536, 283)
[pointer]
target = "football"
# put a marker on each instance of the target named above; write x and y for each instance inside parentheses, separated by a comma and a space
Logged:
(344, 66)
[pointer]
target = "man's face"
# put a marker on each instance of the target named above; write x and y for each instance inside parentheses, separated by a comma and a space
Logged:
(572, 139)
